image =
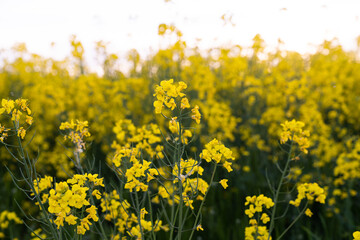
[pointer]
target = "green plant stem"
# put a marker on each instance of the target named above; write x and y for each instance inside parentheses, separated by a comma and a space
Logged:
(272, 221)
(151, 215)
(178, 156)
(30, 182)
(202, 202)
(99, 221)
(293, 222)
(139, 215)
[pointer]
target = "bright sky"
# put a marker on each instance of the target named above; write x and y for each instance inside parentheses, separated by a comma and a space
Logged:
(301, 24)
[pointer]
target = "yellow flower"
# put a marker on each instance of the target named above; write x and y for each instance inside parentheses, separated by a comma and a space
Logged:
(199, 228)
(185, 103)
(196, 114)
(356, 235)
(293, 131)
(308, 213)
(71, 219)
(158, 106)
(265, 218)
(224, 183)
(21, 132)
(96, 193)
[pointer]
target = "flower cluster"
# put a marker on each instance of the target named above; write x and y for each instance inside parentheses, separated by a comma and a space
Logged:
(196, 114)
(167, 93)
(311, 192)
(16, 110)
(174, 127)
(293, 131)
(135, 175)
(127, 222)
(216, 151)
(6, 217)
(69, 198)
(42, 184)
(77, 131)
(188, 167)
(147, 138)
(256, 205)
(192, 187)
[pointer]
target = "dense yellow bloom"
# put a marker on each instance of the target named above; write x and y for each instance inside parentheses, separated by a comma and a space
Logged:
(126, 222)
(293, 131)
(6, 217)
(216, 151)
(261, 233)
(256, 204)
(66, 197)
(131, 140)
(7, 106)
(187, 168)
(15, 109)
(42, 183)
(136, 175)
(77, 132)
(167, 93)
(311, 192)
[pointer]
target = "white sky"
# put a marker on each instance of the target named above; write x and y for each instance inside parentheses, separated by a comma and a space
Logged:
(301, 24)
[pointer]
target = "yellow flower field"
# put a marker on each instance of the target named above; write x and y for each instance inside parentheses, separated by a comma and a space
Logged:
(187, 145)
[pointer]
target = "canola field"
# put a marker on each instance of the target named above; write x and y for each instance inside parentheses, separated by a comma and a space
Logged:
(186, 145)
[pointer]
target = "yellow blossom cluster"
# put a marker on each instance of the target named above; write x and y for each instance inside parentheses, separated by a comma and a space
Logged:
(136, 174)
(310, 192)
(42, 183)
(188, 167)
(147, 138)
(174, 127)
(120, 212)
(256, 206)
(77, 132)
(67, 199)
(293, 131)
(6, 217)
(167, 92)
(217, 152)
(20, 114)
(192, 187)
(348, 163)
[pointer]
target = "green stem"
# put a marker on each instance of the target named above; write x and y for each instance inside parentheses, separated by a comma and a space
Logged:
(30, 182)
(151, 215)
(202, 202)
(99, 221)
(179, 178)
(139, 215)
(272, 221)
(295, 220)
